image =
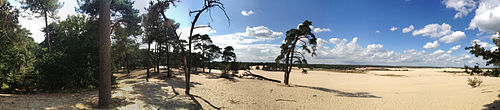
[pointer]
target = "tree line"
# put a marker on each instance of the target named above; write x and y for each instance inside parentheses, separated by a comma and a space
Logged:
(81, 51)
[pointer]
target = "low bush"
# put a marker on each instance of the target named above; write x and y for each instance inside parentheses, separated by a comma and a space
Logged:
(304, 71)
(474, 82)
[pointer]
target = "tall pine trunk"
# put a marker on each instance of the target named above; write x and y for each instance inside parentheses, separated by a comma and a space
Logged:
(104, 54)
(47, 30)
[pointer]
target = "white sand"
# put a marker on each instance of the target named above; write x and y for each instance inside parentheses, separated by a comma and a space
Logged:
(420, 89)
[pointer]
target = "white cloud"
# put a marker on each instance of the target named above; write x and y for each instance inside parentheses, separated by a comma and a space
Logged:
(140, 5)
(431, 45)
(453, 49)
(393, 29)
(377, 31)
(343, 51)
(496, 35)
(453, 37)
(434, 30)
(408, 29)
(462, 6)
(251, 35)
(337, 40)
(437, 52)
(262, 32)
(484, 44)
(247, 13)
(487, 16)
(318, 30)
(245, 47)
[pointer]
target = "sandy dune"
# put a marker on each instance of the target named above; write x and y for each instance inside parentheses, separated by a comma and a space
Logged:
(414, 89)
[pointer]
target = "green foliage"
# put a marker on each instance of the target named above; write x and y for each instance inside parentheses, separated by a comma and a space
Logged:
(73, 63)
(225, 68)
(289, 54)
(491, 56)
(476, 70)
(42, 6)
(307, 45)
(495, 72)
(474, 82)
(17, 53)
(228, 54)
(274, 67)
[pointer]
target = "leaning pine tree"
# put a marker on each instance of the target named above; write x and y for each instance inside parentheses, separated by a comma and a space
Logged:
(289, 54)
(491, 56)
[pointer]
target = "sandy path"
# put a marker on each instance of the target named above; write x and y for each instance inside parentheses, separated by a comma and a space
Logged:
(420, 89)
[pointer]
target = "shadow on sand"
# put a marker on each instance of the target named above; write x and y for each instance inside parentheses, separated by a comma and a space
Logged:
(338, 92)
(342, 93)
(161, 96)
(495, 105)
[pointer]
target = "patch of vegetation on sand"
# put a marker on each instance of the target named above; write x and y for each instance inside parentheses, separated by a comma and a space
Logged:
(391, 75)
(345, 71)
(453, 71)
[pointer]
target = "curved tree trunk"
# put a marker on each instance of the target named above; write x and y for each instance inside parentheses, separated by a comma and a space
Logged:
(104, 54)
(289, 62)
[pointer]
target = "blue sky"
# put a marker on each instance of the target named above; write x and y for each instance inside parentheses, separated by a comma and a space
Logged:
(350, 31)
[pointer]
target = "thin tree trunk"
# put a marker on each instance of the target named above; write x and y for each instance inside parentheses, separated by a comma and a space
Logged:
(188, 73)
(104, 54)
(47, 30)
(154, 55)
(168, 60)
(210, 67)
(203, 64)
(127, 63)
(148, 62)
(158, 56)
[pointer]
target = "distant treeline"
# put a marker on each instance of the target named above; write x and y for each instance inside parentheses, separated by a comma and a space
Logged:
(328, 66)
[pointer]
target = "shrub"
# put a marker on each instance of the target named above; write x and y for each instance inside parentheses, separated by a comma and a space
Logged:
(257, 67)
(225, 68)
(474, 82)
(476, 70)
(494, 73)
(304, 71)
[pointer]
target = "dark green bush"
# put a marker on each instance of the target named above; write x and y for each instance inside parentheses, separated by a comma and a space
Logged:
(72, 63)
